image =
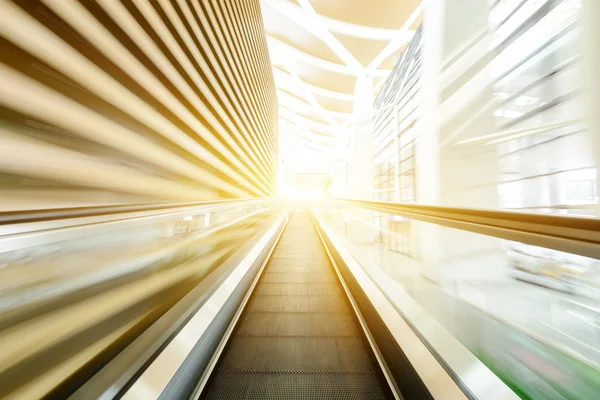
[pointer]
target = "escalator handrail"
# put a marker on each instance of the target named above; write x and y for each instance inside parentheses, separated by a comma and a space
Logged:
(43, 231)
(577, 235)
(169, 364)
(123, 266)
(115, 378)
(23, 216)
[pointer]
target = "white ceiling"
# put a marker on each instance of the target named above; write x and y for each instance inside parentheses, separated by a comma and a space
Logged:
(318, 48)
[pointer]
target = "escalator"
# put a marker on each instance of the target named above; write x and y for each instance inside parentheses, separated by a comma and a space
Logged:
(226, 301)
(298, 337)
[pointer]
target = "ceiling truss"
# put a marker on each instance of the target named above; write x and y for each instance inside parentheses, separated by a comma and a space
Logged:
(303, 100)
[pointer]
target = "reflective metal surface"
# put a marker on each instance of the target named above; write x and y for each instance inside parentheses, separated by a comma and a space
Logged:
(155, 378)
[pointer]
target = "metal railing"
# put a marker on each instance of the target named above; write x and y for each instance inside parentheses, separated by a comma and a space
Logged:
(577, 235)
(79, 284)
(479, 302)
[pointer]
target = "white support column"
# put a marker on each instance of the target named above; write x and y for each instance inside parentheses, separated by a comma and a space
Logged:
(398, 183)
(360, 176)
(360, 169)
(427, 142)
(591, 70)
(447, 176)
(339, 169)
(467, 173)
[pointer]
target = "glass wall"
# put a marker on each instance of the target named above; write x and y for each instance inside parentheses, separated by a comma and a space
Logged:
(542, 313)
(397, 113)
(543, 344)
(545, 158)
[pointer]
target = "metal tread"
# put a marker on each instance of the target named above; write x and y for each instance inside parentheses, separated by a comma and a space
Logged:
(325, 335)
(298, 304)
(300, 386)
(298, 337)
(298, 371)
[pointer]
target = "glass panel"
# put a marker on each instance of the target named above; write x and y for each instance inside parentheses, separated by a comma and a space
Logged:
(38, 273)
(540, 107)
(531, 315)
(395, 128)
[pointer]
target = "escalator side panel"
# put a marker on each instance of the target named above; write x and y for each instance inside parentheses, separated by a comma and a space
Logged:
(407, 381)
(183, 383)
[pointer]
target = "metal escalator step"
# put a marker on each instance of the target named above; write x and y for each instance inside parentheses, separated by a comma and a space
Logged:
(276, 262)
(299, 289)
(325, 289)
(296, 386)
(284, 278)
(288, 269)
(306, 251)
(322, 277)
(300, 267)
(322, 304)
(280, 304)
(282, 289)
(297, 325)
(305, 255)
(297, 354)
(299, 277)
(300, 260)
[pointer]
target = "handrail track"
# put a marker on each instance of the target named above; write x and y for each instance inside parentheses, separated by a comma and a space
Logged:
(577, 235)
(22, 216)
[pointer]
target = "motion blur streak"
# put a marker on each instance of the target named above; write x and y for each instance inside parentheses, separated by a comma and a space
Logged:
(299, 199)
(111, 79)
(131, 102)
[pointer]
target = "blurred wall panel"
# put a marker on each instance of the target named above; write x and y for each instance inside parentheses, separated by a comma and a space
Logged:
(114, 101)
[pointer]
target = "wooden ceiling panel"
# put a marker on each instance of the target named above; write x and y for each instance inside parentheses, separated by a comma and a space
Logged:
(389, 14)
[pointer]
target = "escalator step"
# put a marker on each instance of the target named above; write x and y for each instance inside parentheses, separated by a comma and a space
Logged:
(323, 277)
(299, 289)
(311, 304)
(297, 386)
(297, 354)
(298, 337)
(297, 325)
